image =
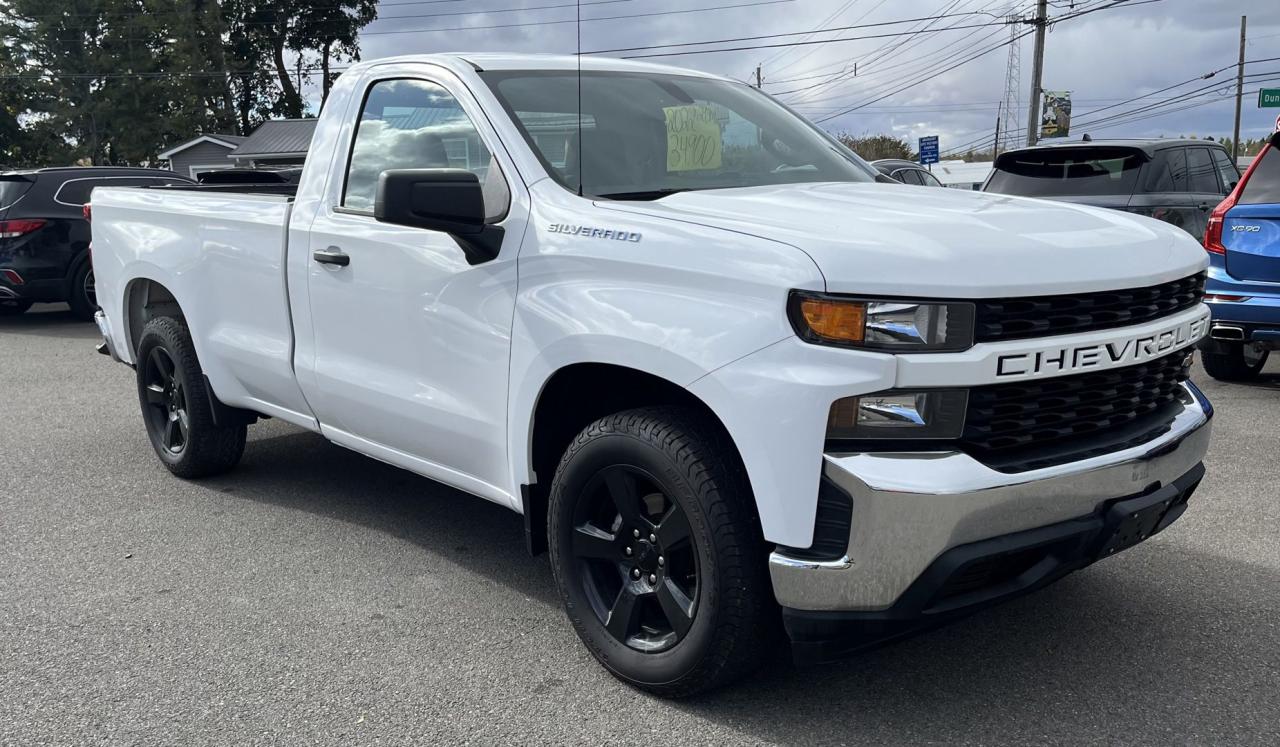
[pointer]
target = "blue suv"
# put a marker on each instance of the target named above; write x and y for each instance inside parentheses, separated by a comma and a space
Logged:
(1243, 289)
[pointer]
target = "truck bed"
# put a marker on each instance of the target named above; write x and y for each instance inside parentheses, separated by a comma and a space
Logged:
(223, 251)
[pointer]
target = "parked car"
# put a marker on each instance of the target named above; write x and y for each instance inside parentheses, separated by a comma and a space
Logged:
(44, 237)
(720, 371)
(1243, 241)
(907, 172)
(1177, 181)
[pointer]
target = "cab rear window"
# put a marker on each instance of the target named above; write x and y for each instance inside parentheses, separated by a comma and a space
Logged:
(1056, 172)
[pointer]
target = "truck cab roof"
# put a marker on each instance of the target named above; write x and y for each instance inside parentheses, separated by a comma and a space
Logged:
(497, 61)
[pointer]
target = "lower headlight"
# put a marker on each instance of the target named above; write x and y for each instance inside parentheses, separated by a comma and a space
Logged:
(893, 414)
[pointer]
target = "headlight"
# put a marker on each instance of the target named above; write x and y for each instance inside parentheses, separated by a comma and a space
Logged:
(882, 324)
(897, 414)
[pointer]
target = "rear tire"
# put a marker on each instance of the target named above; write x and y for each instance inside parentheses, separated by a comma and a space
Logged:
(176, 404)
(1240, 362)
(14, 307)
(657, 553)
(83, 297)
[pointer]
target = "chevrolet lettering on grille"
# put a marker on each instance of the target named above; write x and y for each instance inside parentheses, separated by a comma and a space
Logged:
(1120, 352)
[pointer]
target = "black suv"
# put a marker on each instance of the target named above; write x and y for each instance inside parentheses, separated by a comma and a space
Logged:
(44, 237)
(1177, 181)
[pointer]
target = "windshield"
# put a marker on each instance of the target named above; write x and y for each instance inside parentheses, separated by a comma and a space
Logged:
(646, 135)
(1064, 172)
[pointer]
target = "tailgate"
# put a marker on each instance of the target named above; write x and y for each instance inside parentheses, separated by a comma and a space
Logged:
(1251, 234)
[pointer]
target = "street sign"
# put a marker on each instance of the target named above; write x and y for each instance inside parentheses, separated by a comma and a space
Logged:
(928, 150)
(1269, 98)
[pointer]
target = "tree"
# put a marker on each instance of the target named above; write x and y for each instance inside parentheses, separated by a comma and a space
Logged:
(118, 81)
(112, 82)
(303, 28)
(875, 147)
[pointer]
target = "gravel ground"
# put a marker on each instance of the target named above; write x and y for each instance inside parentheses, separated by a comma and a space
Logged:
(315, 596)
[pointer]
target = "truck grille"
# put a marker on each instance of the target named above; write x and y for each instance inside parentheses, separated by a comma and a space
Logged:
(1041, 316)
(1035, 424)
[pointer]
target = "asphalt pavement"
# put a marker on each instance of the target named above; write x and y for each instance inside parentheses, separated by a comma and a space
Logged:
(315, 596)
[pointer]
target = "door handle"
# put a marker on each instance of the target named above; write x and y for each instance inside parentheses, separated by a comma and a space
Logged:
(332, 256)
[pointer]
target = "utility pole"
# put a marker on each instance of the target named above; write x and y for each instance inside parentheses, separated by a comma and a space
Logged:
(1037, 72)
(759, 79)
(1235, 138)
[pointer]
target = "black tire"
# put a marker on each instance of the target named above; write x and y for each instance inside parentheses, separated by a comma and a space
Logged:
(176, 405)
(82, 295)
(13, 307)
(721, 621)
(1238, 363)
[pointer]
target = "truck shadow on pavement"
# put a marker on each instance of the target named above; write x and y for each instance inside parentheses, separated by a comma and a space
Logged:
(49, 320)
(1163, 643)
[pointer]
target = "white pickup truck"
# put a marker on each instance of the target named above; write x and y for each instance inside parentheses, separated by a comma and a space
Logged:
(729, 377)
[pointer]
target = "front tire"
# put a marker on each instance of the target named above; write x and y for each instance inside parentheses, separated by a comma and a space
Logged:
(657, 553)
(176, 404)
(1238, 362)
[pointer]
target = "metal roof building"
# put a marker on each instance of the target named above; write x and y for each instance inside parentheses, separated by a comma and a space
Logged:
(277, 142)
(202, 153)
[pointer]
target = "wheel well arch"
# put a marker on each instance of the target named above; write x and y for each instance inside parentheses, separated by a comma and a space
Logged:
(144, 300)
(571, 399)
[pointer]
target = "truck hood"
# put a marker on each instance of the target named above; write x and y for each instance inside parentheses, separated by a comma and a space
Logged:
(925, 241)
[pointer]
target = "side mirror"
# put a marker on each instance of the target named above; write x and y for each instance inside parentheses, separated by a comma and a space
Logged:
(446, 200)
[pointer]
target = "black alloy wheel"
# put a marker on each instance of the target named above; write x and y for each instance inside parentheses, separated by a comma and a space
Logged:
(166, 411)
(657, 552)
(637, 558)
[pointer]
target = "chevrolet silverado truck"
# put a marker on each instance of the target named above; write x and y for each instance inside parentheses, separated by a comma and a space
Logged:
(736, 386)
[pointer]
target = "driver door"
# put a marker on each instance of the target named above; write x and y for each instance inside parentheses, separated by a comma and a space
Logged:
(411, 342)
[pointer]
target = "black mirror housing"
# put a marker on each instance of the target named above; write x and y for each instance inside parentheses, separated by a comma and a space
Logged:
(446, 200)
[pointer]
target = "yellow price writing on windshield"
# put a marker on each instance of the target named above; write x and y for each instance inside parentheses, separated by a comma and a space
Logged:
(693, 138)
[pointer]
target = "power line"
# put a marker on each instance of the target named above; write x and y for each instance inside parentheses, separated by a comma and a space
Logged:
(913, 83)
(1171, 105)
(970, 45)
(757, 3)
(967, 60)
(794, 44)
(847, 74)
(817, 47)
(762, 37)
(846, 65)
(779, 54)
(363, 33)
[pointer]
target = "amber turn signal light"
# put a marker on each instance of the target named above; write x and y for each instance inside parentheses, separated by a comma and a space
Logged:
(840, 321)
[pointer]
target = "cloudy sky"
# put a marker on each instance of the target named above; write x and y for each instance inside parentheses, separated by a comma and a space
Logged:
(943, 75)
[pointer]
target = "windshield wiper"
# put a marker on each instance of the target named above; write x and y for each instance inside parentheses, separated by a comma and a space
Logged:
(647, 194)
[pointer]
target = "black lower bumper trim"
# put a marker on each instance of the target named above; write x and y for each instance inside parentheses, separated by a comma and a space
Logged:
(971, 577)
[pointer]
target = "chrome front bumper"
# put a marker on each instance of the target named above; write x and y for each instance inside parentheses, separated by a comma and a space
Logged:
(909, 508)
